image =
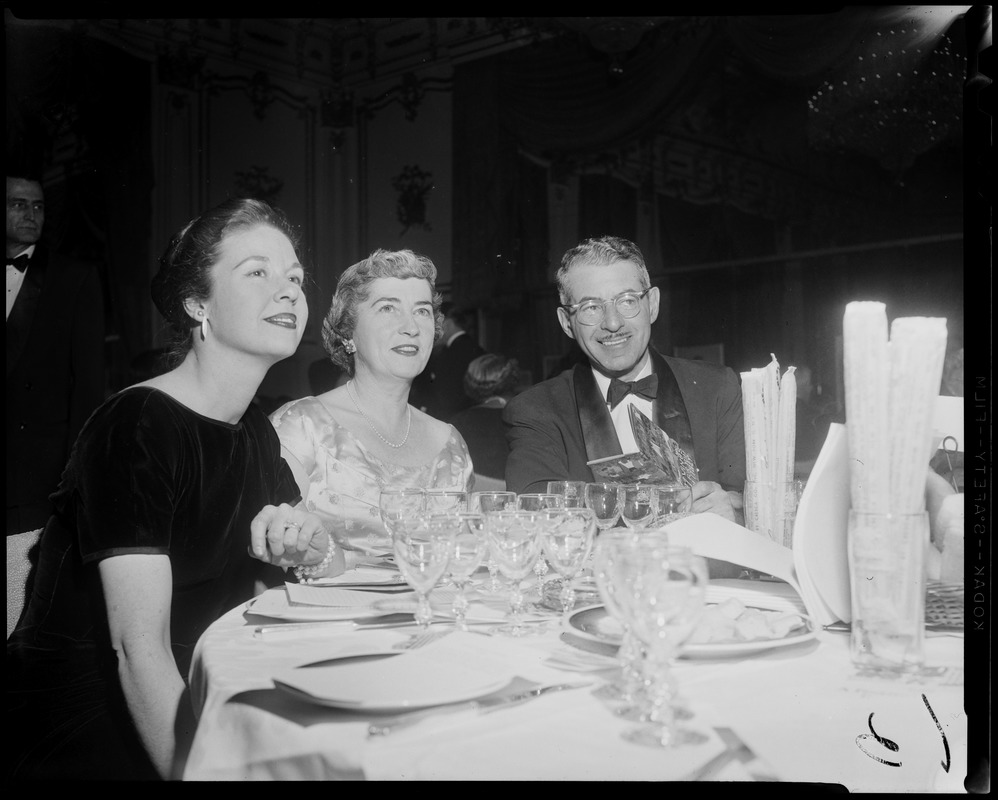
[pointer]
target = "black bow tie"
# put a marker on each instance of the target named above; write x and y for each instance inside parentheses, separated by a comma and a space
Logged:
(646, 388)
(20, 263)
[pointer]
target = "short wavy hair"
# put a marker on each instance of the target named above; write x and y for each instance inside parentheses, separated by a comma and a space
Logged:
(353, 288)
(601, 251)
(491, 375)
(186, 264)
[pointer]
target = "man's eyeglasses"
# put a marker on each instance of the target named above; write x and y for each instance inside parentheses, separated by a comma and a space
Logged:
(591, 312)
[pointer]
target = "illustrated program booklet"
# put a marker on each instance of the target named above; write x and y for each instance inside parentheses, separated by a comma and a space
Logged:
(659, 459)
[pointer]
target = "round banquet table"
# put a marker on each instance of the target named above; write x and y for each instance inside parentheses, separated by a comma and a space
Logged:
(802, 711)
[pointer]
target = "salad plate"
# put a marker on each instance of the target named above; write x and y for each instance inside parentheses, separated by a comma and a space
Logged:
(594, 624)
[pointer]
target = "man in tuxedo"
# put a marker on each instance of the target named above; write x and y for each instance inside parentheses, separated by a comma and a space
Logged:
(55, 356)
(439, 389)
(554, 428)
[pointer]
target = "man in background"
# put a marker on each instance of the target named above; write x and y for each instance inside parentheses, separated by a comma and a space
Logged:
(55, 356)
(439, 389)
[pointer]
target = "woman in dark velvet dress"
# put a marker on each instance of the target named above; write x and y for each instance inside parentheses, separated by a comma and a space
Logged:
(170, 486)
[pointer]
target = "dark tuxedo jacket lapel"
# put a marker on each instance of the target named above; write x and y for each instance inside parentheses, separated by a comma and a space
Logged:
(22, 314)
(597, 428)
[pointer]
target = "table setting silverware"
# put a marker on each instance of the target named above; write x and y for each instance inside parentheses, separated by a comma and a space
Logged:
(486, 705)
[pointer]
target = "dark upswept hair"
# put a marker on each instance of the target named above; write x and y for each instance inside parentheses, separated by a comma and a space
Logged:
(491, 375)
(185, 266)
(352, 289)
(602, 251)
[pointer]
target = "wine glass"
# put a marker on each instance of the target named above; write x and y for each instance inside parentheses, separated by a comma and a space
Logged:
(667, 585)
(423, 544)
(637, 508)
(672, 502)
(539, 502)
(605, 500)
(567, 538)
(467, 553)
(574, 492)
(515, 541)
(397, 503)
(484, 503)
(443, 500)
(614, 591)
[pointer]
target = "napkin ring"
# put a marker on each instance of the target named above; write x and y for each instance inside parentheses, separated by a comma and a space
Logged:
(307, 574)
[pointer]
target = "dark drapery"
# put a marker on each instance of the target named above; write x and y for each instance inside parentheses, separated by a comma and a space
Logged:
(91, 100)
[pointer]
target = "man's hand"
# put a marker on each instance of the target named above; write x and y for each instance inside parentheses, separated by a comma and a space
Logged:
(710, 496)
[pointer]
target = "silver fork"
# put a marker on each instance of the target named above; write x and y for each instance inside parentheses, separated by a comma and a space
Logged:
(420, 640)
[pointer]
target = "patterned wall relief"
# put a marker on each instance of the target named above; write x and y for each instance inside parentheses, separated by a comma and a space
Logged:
(258, 183)
(413, 186)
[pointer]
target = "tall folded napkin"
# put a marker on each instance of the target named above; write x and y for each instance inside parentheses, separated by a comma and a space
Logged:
(891, 386)
(769, 405)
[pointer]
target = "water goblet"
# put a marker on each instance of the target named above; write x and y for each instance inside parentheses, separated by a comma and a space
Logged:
(443, 500)
(515, 541)
(467, 553)
(637, 508)
(574, 492)
(539, 502)
(665, 601)
(568, 537)
(486, 502)
(423, 544)
(672, 502)
(397, 503)
(612, 582)
(605, 500)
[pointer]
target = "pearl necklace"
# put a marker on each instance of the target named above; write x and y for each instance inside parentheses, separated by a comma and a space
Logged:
(408, 422)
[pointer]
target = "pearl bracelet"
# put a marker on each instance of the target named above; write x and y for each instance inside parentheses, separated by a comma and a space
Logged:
(308, 574)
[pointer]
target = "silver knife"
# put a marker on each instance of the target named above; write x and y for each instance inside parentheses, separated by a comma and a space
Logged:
(484, 706)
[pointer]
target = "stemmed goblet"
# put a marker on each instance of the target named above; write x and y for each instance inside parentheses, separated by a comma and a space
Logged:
(515, 541)
(539, 502)
(398, 503)
(423, 544)
(467, 553)
(485, 503)
(637, 508)
(665, 602)
(568, 538)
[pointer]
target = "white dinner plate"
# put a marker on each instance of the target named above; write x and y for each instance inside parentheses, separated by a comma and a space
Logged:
(595, 624)
(390, 684)
(274, 604)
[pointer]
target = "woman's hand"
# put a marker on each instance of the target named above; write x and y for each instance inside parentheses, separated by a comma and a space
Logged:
(289, 537)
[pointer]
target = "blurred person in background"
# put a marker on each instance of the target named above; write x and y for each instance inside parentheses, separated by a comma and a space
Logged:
(439, 389)
(490, 382)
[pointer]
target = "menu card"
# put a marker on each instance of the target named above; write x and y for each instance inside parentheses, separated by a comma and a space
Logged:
(659, 459)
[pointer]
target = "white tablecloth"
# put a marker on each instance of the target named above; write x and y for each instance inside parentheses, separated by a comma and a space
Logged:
(801, 709)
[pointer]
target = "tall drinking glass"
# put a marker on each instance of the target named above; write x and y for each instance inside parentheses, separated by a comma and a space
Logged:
(485, 503)
(539, 502)
(423, 544)
(515, 541)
